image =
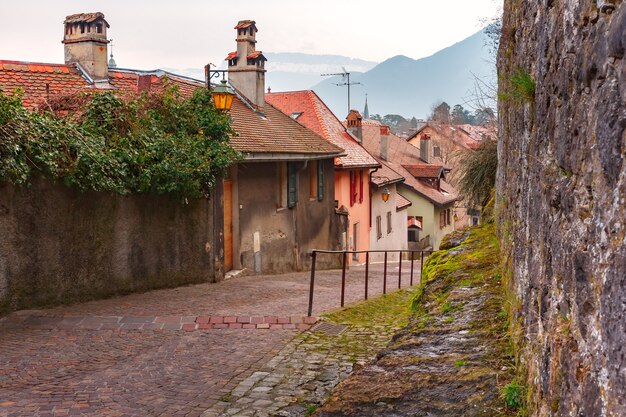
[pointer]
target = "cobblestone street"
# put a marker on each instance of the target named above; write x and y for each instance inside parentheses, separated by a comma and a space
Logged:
(187, 351)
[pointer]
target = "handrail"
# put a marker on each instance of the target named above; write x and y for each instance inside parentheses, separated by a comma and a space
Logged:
(345, 253)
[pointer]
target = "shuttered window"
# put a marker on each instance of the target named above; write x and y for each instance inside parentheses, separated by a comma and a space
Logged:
(292, 184)
(320, 180)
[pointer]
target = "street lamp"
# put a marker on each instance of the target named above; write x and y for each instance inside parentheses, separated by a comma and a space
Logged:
(386, 194)
(223, 96)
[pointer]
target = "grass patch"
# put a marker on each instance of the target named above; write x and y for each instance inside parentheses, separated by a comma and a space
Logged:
(513, 395)
(459, 363)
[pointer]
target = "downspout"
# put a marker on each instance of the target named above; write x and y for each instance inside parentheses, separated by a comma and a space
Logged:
(295, 218)
(371, 194)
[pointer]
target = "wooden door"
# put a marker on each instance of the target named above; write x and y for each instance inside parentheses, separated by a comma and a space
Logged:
(228, 225)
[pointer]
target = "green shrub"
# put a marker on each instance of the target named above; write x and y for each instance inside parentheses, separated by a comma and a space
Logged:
(158, 142)
(513, 394)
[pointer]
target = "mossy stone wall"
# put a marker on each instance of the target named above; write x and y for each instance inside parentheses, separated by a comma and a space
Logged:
(60, 245)
(561, 199)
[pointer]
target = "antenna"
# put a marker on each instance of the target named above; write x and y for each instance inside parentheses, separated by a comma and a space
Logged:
(345, 76)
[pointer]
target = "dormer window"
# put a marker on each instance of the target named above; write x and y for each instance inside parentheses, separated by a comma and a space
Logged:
(99, 28)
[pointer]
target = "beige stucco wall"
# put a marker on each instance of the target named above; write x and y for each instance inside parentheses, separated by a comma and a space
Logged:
(395, 240)
(430, 214)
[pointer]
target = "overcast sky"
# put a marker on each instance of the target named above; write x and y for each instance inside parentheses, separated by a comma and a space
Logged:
(150, 34)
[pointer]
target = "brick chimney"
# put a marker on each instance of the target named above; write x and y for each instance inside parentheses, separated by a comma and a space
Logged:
(85, 41)
(355, 124)
(384, 142)
(246, 66)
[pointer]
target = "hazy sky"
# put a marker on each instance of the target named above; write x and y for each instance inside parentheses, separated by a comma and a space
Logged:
(151, 34)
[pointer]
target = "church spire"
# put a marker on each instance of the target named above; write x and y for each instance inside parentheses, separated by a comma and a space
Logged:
(366, 111)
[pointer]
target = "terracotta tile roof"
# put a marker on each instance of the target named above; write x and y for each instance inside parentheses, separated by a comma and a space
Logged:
(273, 133)
(399, 153)
(85, 17)
(402, 202)
(315, 115)
(268, 131)
(385, 175)
(466, 136)
(242, 24)
(424, 170)
(255, 54)
(39, 82)
(230, 56)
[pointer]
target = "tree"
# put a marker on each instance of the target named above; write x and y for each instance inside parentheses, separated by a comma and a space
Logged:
(441, 113)
(460, 116)
(478, 170)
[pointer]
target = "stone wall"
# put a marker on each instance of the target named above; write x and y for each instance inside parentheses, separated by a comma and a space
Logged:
(561, 199)
(59, 245)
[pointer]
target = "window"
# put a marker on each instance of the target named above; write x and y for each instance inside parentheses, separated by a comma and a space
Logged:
(445, 218)
(413, 234)
(436, 151)
(379, 227)
(313, 179)
(292, 184)
(353, 192)
(320, 180)
(282, 185)
(389, 228)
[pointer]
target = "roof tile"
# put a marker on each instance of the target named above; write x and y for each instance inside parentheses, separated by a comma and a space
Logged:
(316, 116)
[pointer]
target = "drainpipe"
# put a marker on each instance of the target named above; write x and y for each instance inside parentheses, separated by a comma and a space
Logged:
(370, 177)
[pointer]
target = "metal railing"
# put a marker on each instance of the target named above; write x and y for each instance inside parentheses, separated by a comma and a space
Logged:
(344, 255)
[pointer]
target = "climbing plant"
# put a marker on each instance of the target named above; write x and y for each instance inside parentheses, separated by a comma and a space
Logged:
(157, 142)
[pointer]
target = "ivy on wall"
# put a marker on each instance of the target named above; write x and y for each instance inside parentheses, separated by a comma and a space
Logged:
(158, 142)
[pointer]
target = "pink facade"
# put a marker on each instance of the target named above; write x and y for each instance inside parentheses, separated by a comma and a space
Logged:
(355, 183)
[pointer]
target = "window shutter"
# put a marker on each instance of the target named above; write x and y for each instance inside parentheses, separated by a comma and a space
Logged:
(360, 186)
(292, 187)
(442, 219)
(320, 180)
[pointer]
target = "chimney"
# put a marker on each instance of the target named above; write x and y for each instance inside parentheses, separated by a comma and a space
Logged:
(246, 66)
(425, 147)
(384, 142)
(355, 124)
(85, 41)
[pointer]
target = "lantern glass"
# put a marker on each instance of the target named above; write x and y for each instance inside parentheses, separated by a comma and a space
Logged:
(386, 194)
(223, 96)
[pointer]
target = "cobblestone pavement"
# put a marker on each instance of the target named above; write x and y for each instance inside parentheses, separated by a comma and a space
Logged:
(143, 369)
(302, 375)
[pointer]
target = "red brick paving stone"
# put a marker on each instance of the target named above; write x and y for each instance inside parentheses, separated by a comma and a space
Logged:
(205, 326)
(282, 320)
(276, 326)
(172, 326)
(126, 374)
(203, 319)
(230, 319)
(220, 326)
(263, 326)
(131, 326)
(303, 327)
(249, 326)
(289, 326)
(243, 319)
(167, 319)
(235, 325)
(153, 326)
(296, 319)
(217, 319)
(271, 319)
(310, 320)
(188, 319)
(188, 327)
(256, 319)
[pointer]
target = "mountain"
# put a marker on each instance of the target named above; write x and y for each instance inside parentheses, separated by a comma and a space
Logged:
(294, 71)
(409, 87)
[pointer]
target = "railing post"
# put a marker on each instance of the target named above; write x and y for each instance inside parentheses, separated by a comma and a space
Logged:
(367, 270)
(400, 270)
(313, 256)
(421, 266)
(385, 275)
(343, 277)
(412, 253)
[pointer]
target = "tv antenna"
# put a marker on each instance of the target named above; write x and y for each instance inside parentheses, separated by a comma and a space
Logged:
(345, 77)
